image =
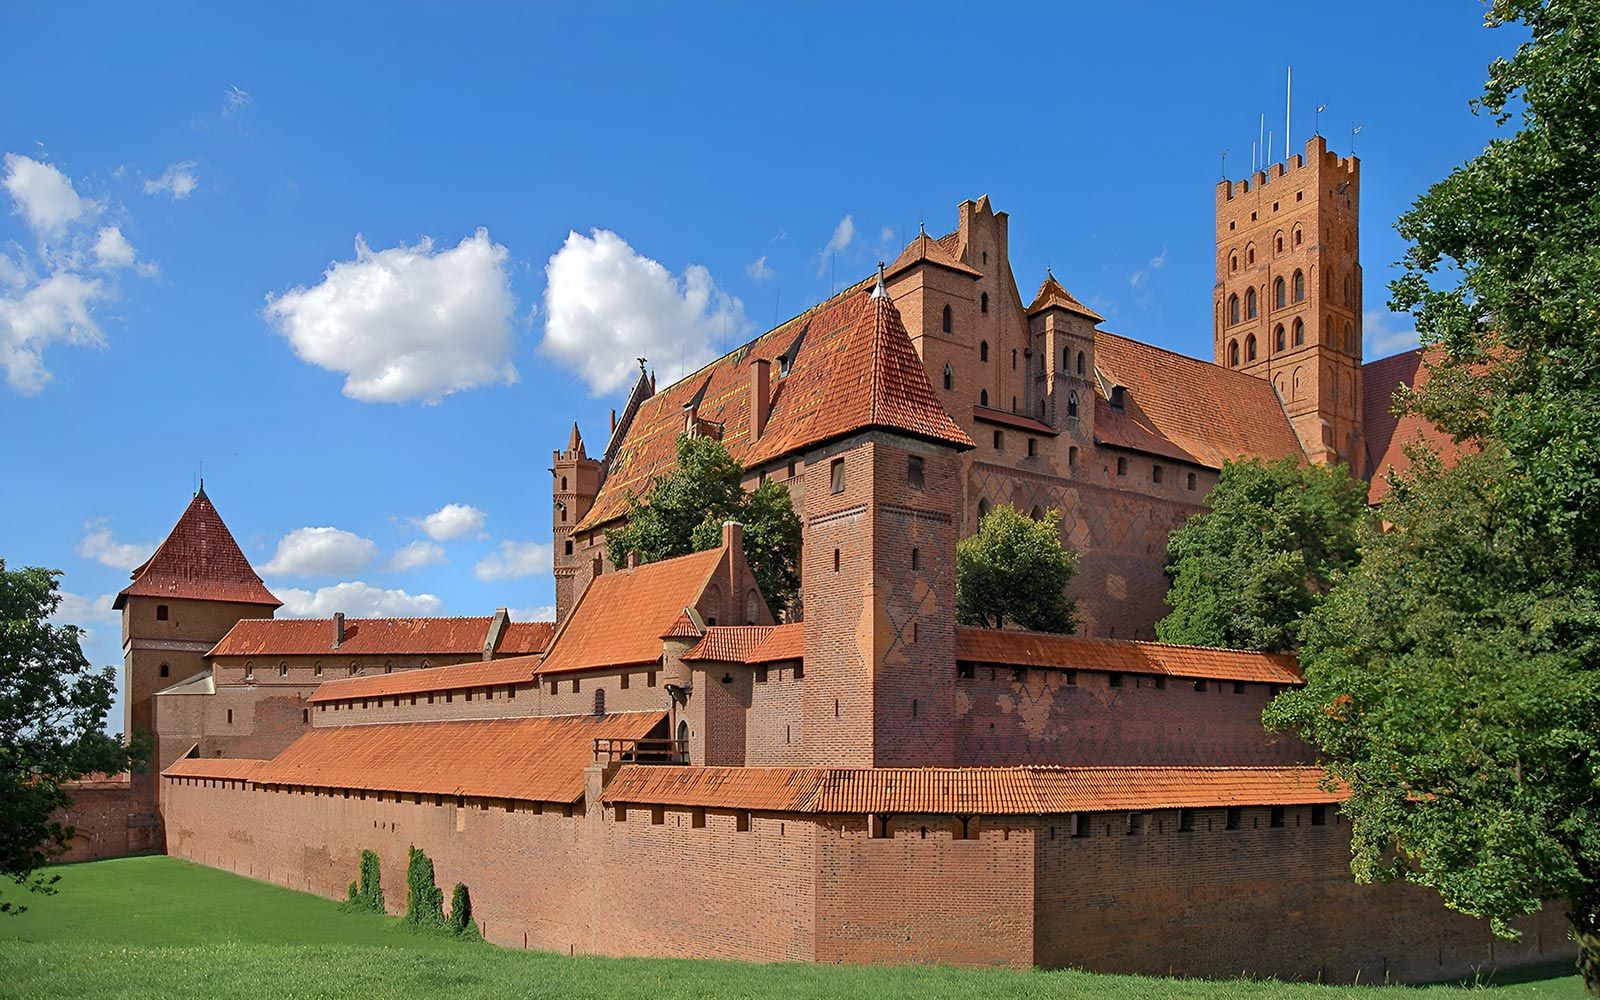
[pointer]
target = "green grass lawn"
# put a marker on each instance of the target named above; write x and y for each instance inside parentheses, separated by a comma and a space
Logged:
(160, 927)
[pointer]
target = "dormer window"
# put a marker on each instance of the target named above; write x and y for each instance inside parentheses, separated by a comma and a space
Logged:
(1118, 397)
(783, 365)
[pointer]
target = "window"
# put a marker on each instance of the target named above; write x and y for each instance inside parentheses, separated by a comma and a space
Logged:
(1233, 354)
(1278, 342)
(1234, 815)
(1155, 473)
(1185, 820)
(1278, 298)
(1238, 687)
(983, 302)
(1122, 466)
(1013, 359)
(1276, 820)
(983, 397)
(1299, 286)
(1350, 344)
(1233, 263)
(283, 670)
(983, 350)
(916, 558)
(1080, 824)
(563, 484)
(305, 716)
(161, 612)
(165, 670)
(1119, 396)
(1250, 348)
(249, 671)
(1135, 824)
(1191, 481)
(836, 476)
(1233, 309)
(965, 671)
(1299, 332)
(1080, 362)
(999, 440)
(1250, 251)
(568, 546)
(1199, 685)
(1072, 404)
(949, 376)
(1298, 235)
(230, 716)
(983, 509)
(944, 323)
(1033, 447)
(1250, 303)
(1279, 243)
(1072, 456)
(317, 670)
(1069, 677)
(1319, 815)
(914, 471)
(1114, 680)
(836, 560)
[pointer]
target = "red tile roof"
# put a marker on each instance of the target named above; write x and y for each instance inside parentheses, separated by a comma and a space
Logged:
(199, 561)
(1017, 420)
(522, 638)
(784, 642)
(362, 637)
(222, 768)
(728, 643)
(683, 627)
(1053, 296)
(1040, 649)
(622, 615)
(1018, 791)
(925, 250)
(1187, 409)
(1387, 435)
(485, 673)
(852, 366)
(536, 759)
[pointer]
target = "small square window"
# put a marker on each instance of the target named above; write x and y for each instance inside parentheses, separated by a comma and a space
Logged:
(1238, 687)
(999, 440)
(1234, 816)
(836, 479)
(1115, 680)
(568, 546)
(965, 671)
(914, 471)
(162, 612)
(1200, 685)
(1185, 820)
(1276, 820)
(1080, 824)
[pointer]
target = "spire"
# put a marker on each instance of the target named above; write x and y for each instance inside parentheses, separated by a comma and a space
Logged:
(880, 292)
(1052, 295)
(575, 442)
(199, 561)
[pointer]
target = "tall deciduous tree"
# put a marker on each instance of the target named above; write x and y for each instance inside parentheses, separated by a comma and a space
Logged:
(1015, 569)
(1454, 679)
(52, 709)
(683, 511)
(1278, 534)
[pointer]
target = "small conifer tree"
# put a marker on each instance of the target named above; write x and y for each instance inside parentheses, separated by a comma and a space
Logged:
(424, 900)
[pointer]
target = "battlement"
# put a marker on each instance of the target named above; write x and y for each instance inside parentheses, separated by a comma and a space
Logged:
(1316, 158)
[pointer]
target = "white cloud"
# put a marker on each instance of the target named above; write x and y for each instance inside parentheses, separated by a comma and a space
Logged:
(92, 614)
(321, 552)
(42, 195)
(101, 545)
(1155, 263)
(178, 180)
(758, 269)
(513, 561)
(112, 249)
(843, 233)
(407, 323)
(1387, 333)
(886, 235)
(417, 555)
(543, 613)
(55, 309)
(356, 599)
(606, 305)
(451, 521)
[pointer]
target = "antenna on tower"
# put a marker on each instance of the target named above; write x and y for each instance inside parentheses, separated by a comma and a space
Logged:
(1320, 109)
(1261, 142)
(1288, 91)
(1224, 169)
(1270, 160)
(1353, 133)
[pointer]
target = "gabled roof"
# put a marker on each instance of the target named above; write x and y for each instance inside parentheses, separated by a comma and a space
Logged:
(925, 250)
(622, 615)
(220, 768)
(199, 561)
(412, 637)
(728, 643)
(784, 642)
(535, 759)
(855, 369)
(1041, 649)
(1053, 296)
(995, 791)
(1387, 435)
(1183, 408)
(482, 674)
(523, 638)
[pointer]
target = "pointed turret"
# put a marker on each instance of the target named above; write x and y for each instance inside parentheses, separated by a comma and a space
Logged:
(199, 561)
(1053, 296)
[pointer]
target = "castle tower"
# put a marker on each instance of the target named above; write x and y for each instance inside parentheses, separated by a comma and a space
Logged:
(575, 482)
(881, 517)
(1287, 303)
(1062, 329)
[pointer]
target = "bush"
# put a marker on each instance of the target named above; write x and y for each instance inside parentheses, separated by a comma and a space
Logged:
(461, 912)
(367, 895)
(424, 900)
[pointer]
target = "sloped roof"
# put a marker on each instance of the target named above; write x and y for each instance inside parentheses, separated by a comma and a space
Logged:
(855, 369)
(222, 768)
(484, 673)
(199, 561)
(379, 637)
(1041, 649)
(535, 759)
(1183, 408)
(1013, 791)
(1052, 295)
(1387, 435)
(925, 250)
(784, 642)
(728, 643)
(523, 638)
(622, 615)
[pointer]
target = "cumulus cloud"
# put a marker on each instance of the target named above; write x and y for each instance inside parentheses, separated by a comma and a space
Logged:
(42, 195)
(406, 324)
(321, 552)
(1386, 333)
(606, 305)
(178, 180)
(356, 599)
(513, 561)
(453, 520)
(112, 249)
(94, 615)
(843, 233)
(55, 309)
(417, 555)
(1154, 264)
(100, 544)
(758, 269)
(543, 613)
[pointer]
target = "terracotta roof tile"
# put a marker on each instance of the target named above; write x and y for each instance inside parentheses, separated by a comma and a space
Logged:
(362, 637)
(925, 250)
(485, 673)
(523, 638)
(1053, 296)
(1183, 408)
(683, 627)
(1387, 435)
(223, 768)
(784, 642)
(968, 791)
(1040, 649)
(199, 561)
(536, 759)
(728, 643)
(622, 615)
(1017, 420)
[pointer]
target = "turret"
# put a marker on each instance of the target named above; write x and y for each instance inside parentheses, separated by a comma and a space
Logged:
(575, 482)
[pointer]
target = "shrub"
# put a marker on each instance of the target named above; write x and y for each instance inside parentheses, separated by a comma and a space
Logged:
(424, 900)
(461, 912)
(367, 894)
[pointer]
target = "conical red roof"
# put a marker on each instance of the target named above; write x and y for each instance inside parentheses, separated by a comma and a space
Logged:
(1053, 295)
(199, 561)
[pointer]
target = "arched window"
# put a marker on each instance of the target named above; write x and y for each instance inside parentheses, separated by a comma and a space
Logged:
(1037, 513)
(983, 509)
(1298, 236)
(1013, 359)
(1233, 354)
(983, 350)
(983, 397)
(752, 607)
(1279, 243)
(1327, 330)
(1277, 337)
(1250, 348)
(1066, 356)
(945, 322)
(1072, 404)
(983, 302)
(1299, 286)
(1080, 362)
(1299, 332)
(1350, 344)
(1233, 262)
(1233, 309)
(563, 484)
(1250, 254)
(1278, 300)
(949, 376)
(681, 751)
(1294, 390)
(1250, 303)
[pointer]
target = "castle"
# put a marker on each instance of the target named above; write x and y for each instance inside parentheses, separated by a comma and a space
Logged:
(675, 768)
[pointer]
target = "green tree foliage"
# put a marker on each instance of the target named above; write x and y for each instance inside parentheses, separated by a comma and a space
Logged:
(53, 706)
(1245, 574)
(683, 512)
(424, 900)
(1015, 569)
(461, 921)
(368, 893)
(1452, 678)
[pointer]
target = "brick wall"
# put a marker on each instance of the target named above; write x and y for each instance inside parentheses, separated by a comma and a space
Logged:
(104, 822)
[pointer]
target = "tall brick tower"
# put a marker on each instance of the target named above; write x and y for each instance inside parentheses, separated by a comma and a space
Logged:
(881, 517)
(575, 482)
(1287, 303)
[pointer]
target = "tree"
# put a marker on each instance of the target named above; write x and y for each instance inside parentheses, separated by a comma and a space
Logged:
(53, 706)
(1453, 680)
(1245, 574)
(683, 511)
(1015, 568)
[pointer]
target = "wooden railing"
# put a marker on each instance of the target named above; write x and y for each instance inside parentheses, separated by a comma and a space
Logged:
(641, 751)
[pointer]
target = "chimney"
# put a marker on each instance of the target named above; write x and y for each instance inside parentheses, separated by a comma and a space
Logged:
(497, 628)
(338, 629)
(633, 559)
(733, 535)
(760, 396)
(613, 420)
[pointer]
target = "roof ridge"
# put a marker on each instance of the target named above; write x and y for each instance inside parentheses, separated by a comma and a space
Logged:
(1229, 372)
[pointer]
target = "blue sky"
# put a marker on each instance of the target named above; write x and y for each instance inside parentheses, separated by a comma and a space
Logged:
(195, 292)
